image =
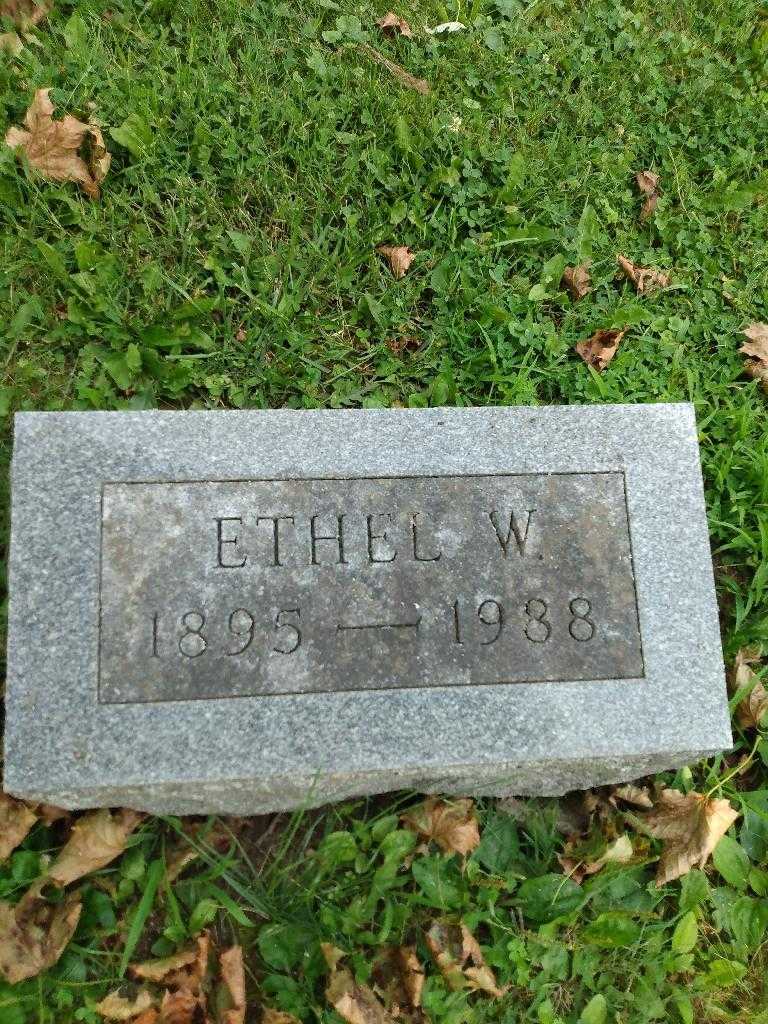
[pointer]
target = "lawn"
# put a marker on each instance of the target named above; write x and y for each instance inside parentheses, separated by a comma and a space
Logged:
(260, 156)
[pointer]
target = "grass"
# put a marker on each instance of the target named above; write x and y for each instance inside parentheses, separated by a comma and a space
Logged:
(259, 157)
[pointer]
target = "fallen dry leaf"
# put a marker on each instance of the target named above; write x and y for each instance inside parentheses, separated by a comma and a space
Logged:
(407, 79)
(150, 1017)
(753, 707)
(638, 796)
(49, 814)
(53, 147)
(600, 349)
(158, 970)
(357, 1004)
(186, 970)
(648, 183)
(233, 976)
(620, 851)
(393, 25)
(332, 954)
(269, 1016)
(16, 819)
(460, 959)
(576, 281)
(117, 1007)
(34, 933)
(24, 13)
(451, 824)
(97, 838)
(756, 351)
(399, 258)
(691, 826)
(181, 1008)
(404, 343)
(645, 279)
(399, 976)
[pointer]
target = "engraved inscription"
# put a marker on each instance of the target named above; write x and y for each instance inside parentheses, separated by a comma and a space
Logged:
(264, 587)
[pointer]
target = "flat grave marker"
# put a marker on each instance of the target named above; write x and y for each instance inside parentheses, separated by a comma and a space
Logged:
(248, 611)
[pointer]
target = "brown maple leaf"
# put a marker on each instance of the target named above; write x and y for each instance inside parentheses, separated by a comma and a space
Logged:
(645, 279)
(118, 1007)
(648, 183)
(393, 25)
(356, 1004)
(598, 350)
(96, 839)
(34, 933)
(577, 281)
(53, 148)
(449, 823)
(16, 819)
(399, 258)
(754, 706)
(24, 13)
(691, 826)
(756, 351)
(458, 955)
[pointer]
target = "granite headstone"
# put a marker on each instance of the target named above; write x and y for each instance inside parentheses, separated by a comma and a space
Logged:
(249, 611)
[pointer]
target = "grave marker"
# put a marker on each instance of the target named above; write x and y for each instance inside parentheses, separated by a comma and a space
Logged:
(244, 611)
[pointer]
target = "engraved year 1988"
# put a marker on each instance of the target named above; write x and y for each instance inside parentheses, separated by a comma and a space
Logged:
(194, 633)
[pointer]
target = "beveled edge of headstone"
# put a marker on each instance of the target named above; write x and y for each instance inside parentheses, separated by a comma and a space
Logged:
(64, 747)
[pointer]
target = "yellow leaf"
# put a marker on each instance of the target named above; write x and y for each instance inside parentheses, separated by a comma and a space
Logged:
(691, 826)
(450, 824)
(53, 147)
(34, 933)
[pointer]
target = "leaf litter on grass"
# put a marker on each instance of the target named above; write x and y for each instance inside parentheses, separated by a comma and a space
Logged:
(755, 348)
(65, 150)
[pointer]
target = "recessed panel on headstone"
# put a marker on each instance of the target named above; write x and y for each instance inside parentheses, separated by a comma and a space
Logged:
(258, 587)
(250, 611)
